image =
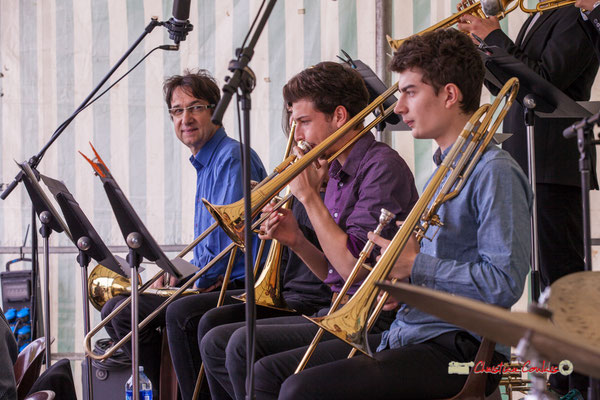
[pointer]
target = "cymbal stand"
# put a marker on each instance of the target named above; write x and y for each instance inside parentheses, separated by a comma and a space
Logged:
(526, 352)
(538, 381)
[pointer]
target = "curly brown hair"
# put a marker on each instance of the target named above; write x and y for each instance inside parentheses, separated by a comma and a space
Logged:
(444, 56)
(328, 85)
(199, 83)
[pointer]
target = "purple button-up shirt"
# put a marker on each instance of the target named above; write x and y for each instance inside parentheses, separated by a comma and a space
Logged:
(373, 177)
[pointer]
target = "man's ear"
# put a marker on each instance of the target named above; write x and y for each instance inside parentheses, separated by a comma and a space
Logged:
(340, 116)
(453, 95)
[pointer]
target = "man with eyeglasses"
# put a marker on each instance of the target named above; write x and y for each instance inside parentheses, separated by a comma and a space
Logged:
(216, 157)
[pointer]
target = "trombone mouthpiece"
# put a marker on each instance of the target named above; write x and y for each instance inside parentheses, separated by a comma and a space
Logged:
(385, 217)
(304, 146)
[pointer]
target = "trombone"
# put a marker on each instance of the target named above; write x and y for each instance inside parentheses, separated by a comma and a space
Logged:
(351, 322)
(231, 216)
(171, 294)
(473, 7)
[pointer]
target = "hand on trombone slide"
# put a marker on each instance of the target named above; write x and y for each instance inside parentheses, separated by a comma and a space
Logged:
(403, 266)
(307, 184)
(164, 281)
(280, 225)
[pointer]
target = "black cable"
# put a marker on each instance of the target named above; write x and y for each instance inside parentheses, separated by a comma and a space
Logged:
(68, 120)
(117, 361)
(252, 26)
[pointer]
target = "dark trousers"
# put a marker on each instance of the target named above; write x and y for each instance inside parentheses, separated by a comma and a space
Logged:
(417, 371)
(183, 316)
(560, 229)
(223, 349)
(149, 343)
(150, 337)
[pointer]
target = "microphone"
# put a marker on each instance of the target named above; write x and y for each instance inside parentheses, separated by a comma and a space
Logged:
(169, 47)
(491, 8)
(179, 25)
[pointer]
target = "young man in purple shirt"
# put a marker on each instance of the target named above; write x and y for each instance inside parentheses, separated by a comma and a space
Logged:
(365, 178)
(481, 251)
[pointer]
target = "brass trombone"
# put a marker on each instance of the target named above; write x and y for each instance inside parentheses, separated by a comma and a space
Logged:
(473, 7)
(231, 216)
(352, 321)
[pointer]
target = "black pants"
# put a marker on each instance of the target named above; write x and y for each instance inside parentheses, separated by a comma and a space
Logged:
(223, 348)
(182, 320)
(188, 319)
(560, 231)
(150, 338)
(230, 314)
(417, 371)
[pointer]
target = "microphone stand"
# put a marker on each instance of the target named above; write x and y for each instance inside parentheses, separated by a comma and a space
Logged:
(36, 159)
(244, 79)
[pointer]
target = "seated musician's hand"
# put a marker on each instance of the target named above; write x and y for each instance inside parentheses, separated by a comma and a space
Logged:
(160, 283)
(309, 181)
(217, 284)
(403, 266)
(390, 303)
(478, 26)
(281, 226)
(585, 4)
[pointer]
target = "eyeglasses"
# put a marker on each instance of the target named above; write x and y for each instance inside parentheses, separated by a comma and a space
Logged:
(195, 109)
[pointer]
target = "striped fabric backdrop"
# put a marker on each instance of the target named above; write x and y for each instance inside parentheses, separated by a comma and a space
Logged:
(53, 52)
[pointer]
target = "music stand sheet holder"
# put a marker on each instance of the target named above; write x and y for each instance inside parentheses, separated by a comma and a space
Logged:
(141, 245)
(51, 221)
(538, 97)
(551, 102)
(90, 245)
(80, 226)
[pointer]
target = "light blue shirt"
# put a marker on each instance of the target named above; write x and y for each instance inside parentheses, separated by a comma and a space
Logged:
(218, 167)
(482, 251)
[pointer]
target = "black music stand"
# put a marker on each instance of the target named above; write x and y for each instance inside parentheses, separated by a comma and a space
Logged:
(90, 245)
(538, 97)
(141, 245)
(51, 221)
(376, 87)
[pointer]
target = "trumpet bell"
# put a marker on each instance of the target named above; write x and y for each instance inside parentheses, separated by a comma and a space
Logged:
(104, 284)
(498, 8)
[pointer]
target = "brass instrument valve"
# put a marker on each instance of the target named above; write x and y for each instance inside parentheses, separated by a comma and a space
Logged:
(434, 220)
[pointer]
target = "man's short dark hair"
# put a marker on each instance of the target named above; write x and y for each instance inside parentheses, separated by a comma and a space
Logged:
(198, 83)
(328, 85)
(444, 56)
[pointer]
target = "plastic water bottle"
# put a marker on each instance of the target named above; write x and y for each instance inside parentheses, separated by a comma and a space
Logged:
(145, 387)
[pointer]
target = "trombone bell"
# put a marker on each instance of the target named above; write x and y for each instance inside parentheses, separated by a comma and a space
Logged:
(104, 284)
(231, 218)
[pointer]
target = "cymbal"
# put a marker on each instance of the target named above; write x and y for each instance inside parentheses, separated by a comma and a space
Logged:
(502, 326)
(575, 302)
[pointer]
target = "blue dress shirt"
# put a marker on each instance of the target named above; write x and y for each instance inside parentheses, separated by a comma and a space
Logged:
(482, 251)
(218, 167)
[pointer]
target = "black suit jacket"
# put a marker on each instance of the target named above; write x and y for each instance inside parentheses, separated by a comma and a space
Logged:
(592, 28)
(557, 49)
